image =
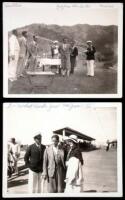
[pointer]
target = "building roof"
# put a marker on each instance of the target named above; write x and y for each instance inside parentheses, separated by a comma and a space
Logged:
(69, 131)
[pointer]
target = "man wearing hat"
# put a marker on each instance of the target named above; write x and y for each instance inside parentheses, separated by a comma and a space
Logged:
(90, 57)
(34, 160)
(55, 54)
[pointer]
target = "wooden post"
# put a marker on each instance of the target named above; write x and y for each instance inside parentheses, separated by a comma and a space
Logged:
(63, 133)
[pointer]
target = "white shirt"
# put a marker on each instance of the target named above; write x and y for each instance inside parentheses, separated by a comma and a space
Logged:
(64, 46)
(55, 149)
(13, 45)
(15, 148)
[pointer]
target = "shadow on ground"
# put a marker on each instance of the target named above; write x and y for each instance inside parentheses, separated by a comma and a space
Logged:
(16, 183)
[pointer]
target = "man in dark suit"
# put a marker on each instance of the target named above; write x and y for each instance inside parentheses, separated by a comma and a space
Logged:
(34, 161)
(73, 55)
(54, 166)
(90, 57)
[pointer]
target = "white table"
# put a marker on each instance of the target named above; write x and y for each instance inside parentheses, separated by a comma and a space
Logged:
(49, 61)
(46, 77)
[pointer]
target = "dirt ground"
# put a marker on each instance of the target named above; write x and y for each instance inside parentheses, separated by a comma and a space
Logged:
(104, 82)
(100, 173)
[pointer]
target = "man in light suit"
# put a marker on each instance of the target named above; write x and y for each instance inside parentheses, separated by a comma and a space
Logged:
(14, 49)
(22, 55)
(54, 166)
(64, 50)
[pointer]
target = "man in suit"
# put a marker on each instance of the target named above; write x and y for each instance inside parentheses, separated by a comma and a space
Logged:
(22, 55)
(34, 160)
(33, 49)
(90, 57)
(54, 166)
(64, 50)
(73, 55)
(14, 49)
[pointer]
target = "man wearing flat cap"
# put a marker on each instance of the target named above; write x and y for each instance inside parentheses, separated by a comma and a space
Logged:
(90, 57)
(34, 161)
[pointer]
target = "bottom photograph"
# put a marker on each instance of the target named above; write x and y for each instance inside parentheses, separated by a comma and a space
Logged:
(62, 149)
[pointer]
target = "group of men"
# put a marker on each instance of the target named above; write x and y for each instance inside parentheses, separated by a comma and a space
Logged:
(48, 164)
(22, 54)
(68, 53)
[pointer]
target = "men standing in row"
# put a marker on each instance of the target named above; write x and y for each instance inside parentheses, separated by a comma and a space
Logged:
(54, 166)
(14, 51)
(73, 55)
(34, 160)
(22, 55)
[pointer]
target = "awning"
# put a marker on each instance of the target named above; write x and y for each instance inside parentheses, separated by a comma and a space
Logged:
(68, 131)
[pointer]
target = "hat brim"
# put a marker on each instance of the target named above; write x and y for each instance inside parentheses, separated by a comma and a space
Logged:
(37, 137)
(73, 140)
(89, 42)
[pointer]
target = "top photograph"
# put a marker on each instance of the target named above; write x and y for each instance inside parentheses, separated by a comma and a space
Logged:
(62, 50)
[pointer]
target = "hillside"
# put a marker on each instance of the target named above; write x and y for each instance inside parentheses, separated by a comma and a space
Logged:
(105, 38)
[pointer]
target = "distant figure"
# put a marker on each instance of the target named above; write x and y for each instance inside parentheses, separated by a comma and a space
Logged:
(33, 53)
(55, 49)
(73, 55)
(55, 54)
(54, 166)
(14, 49)
(22, 55)
(108, 144)
(90, 53)
(74, 173)
(64, 50)
(34, 161)
(14, 150)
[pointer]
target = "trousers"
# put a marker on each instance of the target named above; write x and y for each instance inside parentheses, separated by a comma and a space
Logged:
(35, 182)
(13, 66)
(90, 67)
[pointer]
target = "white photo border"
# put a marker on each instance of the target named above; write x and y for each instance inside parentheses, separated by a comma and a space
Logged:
(119, 192)
(119, 6)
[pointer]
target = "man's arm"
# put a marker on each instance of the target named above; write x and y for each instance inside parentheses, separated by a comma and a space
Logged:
(27, 156)
(45, 164)
(12, 47)
(76, 51)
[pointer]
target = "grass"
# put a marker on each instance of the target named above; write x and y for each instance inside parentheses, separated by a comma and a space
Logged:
(104, 82)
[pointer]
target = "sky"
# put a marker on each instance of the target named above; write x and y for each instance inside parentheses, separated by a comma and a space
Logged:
(24, 121)
(16, 15)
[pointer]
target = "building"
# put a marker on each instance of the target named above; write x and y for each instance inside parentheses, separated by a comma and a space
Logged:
(66, 132)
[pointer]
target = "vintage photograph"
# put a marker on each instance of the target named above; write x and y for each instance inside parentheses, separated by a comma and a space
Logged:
(62, 150)
(62, 49)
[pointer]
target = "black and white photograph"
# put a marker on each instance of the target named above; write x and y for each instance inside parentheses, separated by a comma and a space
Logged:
(62, 149)
(62, 50)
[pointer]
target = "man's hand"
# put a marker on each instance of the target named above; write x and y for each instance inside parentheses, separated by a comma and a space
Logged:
(44, 176)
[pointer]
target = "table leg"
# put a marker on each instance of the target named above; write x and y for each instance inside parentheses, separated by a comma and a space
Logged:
(43, 68)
